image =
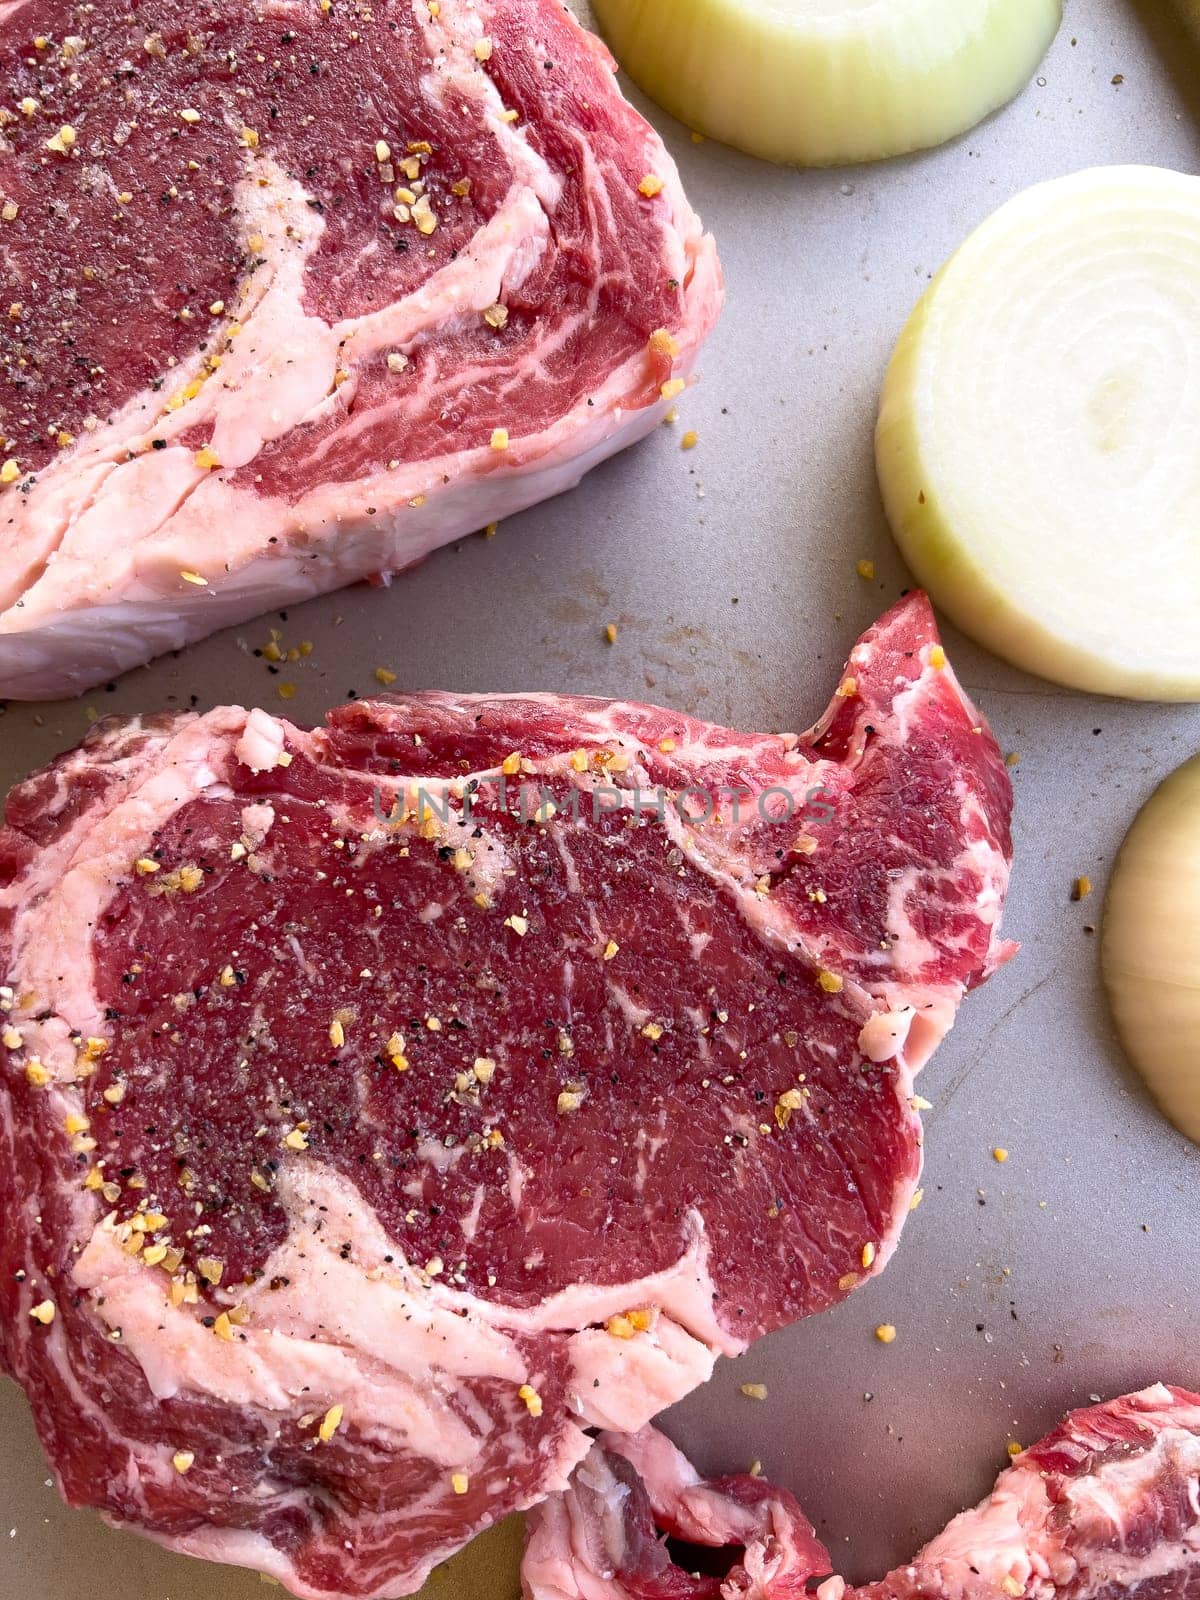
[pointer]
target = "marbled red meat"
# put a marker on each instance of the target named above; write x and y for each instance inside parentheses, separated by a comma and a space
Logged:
(276, 272)
(606, 1537)
(1106, 1507)
(459, 1075)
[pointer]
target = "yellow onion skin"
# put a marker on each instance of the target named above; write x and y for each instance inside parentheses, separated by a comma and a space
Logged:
(1150, 952)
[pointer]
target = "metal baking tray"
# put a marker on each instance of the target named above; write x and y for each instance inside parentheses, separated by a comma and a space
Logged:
(729, 571)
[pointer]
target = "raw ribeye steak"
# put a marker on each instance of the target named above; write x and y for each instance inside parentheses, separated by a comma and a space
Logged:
(606, 1537)
(387, 1103)
(1108, 1505)
(296, 291)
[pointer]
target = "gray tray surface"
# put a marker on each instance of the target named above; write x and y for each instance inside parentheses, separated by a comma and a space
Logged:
(729, 570)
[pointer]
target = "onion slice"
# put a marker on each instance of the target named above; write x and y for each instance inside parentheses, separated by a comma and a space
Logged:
(824, 82)
(1037, 436)
(1151, 946)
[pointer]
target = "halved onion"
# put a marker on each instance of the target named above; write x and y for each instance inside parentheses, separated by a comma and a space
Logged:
(1037, 438)
(823, 82)
(1151, 946)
